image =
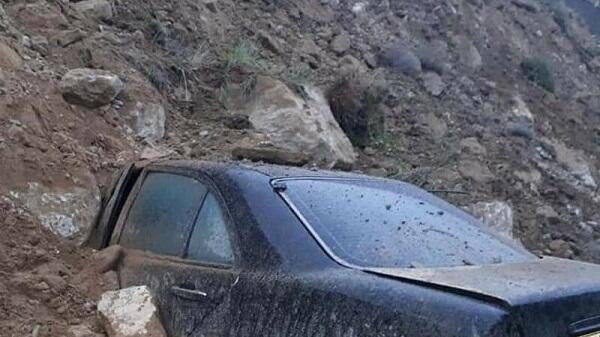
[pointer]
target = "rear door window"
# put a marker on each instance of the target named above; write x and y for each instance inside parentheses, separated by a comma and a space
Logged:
(210, 240)
(163, 213)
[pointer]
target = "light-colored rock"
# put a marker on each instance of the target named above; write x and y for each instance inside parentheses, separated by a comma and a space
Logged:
(67, 213)
(472, 146)
(576, 164)
(66, 38)
(83, 331)
(299, 125)
(433, 83)
(521, 110)
(468, 53)
(547, 212)
(340, 43)
(476, 171)
(350, 65)
(152, 152)
(130, 312)
(149, 121)
(497, 215)
(434, 126)
(40, 44)
(98, 9)
(91, 88)
(9, 58)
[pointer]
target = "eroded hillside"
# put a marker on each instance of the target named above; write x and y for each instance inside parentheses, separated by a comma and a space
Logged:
(492, 104)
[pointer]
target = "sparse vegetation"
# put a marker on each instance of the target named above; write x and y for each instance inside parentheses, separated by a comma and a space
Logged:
(539, 72)
(240, 65)
(296, 78)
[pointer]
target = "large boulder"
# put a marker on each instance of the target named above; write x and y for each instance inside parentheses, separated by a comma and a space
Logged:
(91, 88)
(130, 312)
(355, 103)
(149, 121)
(497, 215)
(98, 9)
(68, 213)
(299, 125)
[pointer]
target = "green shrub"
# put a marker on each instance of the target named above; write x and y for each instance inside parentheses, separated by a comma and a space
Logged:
(538, 71)
(240, 65)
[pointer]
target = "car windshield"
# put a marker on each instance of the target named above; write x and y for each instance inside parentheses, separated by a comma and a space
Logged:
(370, 223)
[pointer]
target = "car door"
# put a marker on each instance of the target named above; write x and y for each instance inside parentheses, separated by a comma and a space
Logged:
(169, 230)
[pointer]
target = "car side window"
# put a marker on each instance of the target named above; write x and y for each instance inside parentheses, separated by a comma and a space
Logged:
(210, 241)
(163, 213)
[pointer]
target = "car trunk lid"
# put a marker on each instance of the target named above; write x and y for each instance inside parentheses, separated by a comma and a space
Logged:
(555, 293)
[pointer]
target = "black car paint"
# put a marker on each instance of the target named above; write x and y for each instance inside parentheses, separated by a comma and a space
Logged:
(283, 283)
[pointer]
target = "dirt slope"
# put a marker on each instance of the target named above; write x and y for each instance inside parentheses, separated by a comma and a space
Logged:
(461, 115)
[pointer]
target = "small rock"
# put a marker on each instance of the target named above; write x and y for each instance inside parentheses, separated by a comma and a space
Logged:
(270, 155)
(82, 331)
(528, 5)
(559, 247)
(237, 121)
(40, 44)
(269, 42)
(9, 58)
(149, 121)
(91, 88)
(497, 215)
(472, 146)
(402, 59)
(433, 83)
(98, 9)
(350, 65)
(547, 212)
(475, 171)
(340, 43)
(468, 53)
(67, 37)
(130, 312)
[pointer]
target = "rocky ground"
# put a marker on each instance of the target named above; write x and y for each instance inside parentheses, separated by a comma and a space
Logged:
(493, 105)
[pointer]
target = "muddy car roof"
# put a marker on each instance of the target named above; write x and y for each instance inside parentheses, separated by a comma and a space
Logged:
(271, 171)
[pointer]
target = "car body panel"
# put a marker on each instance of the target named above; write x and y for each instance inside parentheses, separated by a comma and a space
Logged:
(283, 283)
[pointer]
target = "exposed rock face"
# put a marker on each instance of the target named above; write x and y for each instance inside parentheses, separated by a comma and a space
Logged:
(91, 88)
(130, 312)
(150, 121)
(497, 215)
(298, 125)
(69, 214)
(99, 9)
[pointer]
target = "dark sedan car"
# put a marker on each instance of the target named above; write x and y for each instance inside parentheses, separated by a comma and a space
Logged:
(247, 250)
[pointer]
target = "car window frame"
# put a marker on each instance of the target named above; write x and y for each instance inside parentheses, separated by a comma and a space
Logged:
(211, 187)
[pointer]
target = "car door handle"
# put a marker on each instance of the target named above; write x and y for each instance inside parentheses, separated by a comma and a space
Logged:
(188, 294)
